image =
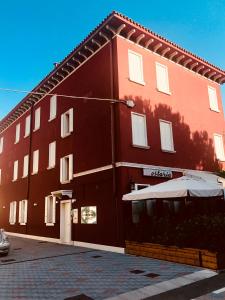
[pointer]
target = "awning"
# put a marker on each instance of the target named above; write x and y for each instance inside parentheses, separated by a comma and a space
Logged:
(177, 188)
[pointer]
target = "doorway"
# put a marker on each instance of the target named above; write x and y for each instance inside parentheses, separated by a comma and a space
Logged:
(65, 221)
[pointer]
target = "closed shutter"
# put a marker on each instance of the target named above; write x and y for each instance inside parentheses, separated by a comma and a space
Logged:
(54, 210)
(17, 138)
(70, 166)
(35, 161)
(10, 213)
(25, 165)
(166, 136)
(20, 212)
(135, 67)
(219, 148)
(162, 78)
(14, 212)
(213, 102)
(71, 120)
(52, 154)
(53, 107)
(139, 132)
(37, 118)
(46, 209)
(1, 144)
(61, 170)
(15, 170)
(25, 202)
(27, 126)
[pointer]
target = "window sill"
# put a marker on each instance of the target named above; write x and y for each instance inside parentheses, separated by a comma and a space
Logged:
(16, 142)
(25, 176)
(23, 224)
(215, 110)
(164, 92)
(26, 136)
(14, 180)
(65, 182)
(12, 223)
(50, 168)
(138, 82)
(51, 119)
(66, 135)
(140, 146)
(34, 173)
(168, 151)
(221, 159)
(36, 129)
(50, 224)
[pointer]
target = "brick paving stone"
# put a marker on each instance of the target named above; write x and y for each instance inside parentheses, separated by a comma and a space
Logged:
(54, 271)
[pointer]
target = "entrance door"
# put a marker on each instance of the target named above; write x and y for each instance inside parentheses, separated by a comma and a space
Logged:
(65, 221)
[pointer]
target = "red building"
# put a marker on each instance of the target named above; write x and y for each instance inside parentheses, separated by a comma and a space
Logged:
(64, 157)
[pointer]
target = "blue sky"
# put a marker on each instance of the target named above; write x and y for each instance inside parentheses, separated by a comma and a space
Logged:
(35, 34)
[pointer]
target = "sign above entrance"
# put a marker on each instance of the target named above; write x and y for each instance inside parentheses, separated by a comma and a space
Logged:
(157, 172)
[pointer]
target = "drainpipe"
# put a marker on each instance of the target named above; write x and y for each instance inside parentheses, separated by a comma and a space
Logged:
(29, 159)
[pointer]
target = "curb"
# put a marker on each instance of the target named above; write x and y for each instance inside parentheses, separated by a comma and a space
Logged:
(161, 287)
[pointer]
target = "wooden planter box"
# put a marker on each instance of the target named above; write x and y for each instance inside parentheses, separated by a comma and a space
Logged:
(189, 256)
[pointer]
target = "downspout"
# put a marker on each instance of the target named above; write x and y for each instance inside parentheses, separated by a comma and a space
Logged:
(29, 160)
(113, 131)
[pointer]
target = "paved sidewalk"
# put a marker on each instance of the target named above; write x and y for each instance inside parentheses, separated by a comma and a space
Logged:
(35, 270)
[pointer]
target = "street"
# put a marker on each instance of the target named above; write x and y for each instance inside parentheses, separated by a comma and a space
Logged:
(42, 270)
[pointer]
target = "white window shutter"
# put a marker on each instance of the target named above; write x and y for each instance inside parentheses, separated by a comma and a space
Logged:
(62, 125)
(135, 67)
(162, 78)
(35, 161)
(37, 121)
(25, 211)
(70, 166)
(219, 147)
(166, 136)
(17, 138)
(139, 131)
(20, 211)
(54, 210)
(46, 209)
(14, 212)
(10, 213)
(213, 102)
(1, 144)
(61, 169)
(71, 120)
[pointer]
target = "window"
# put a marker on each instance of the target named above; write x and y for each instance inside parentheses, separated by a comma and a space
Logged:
(25, 165)
(35, 161)
(66, 169)
(37, 119)
(0, 176)
(15, 170)
(52, 155)
(53, 107)
(1, 144)
(17, 138)
(219, 148)
(12, 213)
(50, 202)
(23, 212)
(166, 135)
(135, 67)
(162, 78)
(139, 131)
(213, 102)
(27, 126)
(67, 123)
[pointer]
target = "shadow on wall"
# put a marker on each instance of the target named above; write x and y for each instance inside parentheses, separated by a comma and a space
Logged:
(194, 150)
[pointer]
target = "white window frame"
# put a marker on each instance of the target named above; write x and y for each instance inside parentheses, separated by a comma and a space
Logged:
(15, 170)
(23, 212)
(35, 162)
(222, 144)
(51, 155)
(50, 220)
(27, 126)
(52, 107)
(1, 144)
(211, 104)
(67, 129)
(25, 165)
(145, 145)
(158, 82)
(63, 178)
(12, 213)
(161, 137)
(131, 76)
(0, 176)
(37, 119)
(17, 136)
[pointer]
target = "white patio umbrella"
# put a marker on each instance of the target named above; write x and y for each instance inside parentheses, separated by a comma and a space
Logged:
(176, 188)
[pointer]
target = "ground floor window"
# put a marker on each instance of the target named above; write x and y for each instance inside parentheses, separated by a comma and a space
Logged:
(23, 212)
(50, 210)
(12, 213)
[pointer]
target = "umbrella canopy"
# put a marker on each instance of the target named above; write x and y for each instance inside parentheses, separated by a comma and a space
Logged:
(177, 188)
